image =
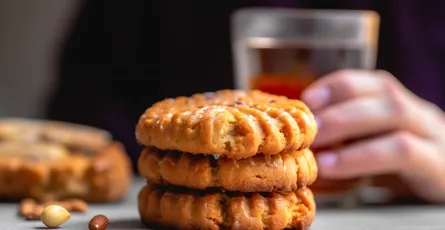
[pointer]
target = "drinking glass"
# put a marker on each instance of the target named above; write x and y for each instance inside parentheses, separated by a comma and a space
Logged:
(282, 51)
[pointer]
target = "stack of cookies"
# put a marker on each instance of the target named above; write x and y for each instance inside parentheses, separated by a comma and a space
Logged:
(227, 160)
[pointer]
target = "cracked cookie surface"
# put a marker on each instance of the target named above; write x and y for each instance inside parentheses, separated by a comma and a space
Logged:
(74, 136)
(260, 173)
(234, 123)
(48, 160)
(215, 210)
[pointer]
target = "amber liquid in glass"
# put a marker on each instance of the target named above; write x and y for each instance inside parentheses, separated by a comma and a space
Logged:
(289, 85)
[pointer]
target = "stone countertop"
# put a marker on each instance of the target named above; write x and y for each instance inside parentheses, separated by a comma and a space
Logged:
(124, 215)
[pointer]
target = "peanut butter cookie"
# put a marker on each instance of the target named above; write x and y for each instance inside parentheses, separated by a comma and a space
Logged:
(260, 173)
(217, 210)
(236, 124)
(53, 160)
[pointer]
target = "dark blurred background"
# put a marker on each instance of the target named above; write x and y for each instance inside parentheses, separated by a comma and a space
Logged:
(103, 62)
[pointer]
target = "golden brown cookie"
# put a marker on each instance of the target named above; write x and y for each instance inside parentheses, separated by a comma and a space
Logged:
(237, 124)
(260, 173)
(73, 136)
(32, 165)
(216, 210)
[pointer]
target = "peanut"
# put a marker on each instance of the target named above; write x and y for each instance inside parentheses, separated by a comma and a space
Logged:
(54, 216)
(98, 222)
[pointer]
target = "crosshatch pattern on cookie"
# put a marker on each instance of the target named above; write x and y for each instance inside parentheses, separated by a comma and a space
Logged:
(237, 124)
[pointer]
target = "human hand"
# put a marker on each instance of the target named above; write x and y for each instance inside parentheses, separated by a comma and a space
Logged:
(396, 132)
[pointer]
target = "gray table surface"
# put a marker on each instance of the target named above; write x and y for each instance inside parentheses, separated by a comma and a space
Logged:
(124, 215)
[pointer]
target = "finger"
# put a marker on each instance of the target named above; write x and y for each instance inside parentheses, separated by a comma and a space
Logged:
(343, 85)
(357, 118)
(398, 152)
(367, 116)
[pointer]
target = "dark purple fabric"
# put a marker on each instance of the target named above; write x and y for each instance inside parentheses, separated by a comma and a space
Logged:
(420, 29)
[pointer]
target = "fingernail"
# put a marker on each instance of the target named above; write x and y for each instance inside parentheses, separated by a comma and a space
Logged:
(327, 159)
(317, 97)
